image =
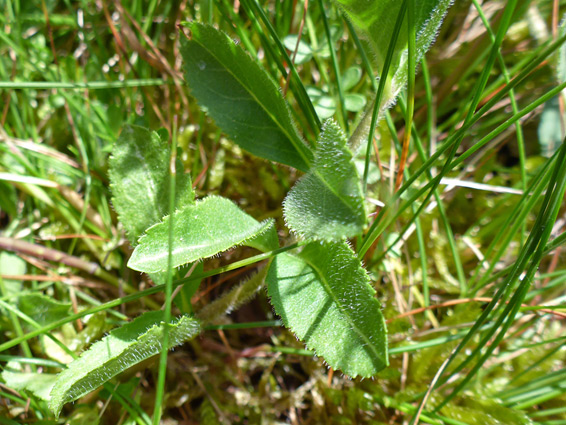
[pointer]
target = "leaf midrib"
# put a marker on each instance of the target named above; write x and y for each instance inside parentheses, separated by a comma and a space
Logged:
(292, 139)
(331, 189)
(343, 311)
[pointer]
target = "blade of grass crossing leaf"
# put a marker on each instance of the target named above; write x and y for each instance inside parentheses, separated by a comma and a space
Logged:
(210, 226)
(146, 292)
(34, 324)
(384, 76)
(254, 9)
(337, 74)
(275, 63)
(360, 48)
(222, 75)
(160, 387)
(17, 326)
(42, 331)
(123, 347)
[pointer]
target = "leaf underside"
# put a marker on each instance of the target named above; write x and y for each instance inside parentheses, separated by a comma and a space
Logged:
(139, 176)
(206, 228)
(241, 97)
(327, 203)
(324, 296)
(120, 349)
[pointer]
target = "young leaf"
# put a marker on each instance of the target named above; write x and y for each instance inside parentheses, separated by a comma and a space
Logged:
(377, 20)
(210, 226)
(122, 348)
(233, 299)
(139, 176)
(241, 97)
(327, 202)
(324, 296)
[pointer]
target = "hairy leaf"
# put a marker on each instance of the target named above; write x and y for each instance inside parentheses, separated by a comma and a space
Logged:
(139, 176)
(324, 296)
(377, 20)
(241, 97)
(122, 348)
(327, 203)
(233, 299)
(212, 225)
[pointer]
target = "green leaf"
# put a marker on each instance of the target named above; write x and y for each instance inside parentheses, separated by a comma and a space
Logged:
(139, 176)
(43, 309)
(210, 226)
(242, 98)
(122, 348)
(377, 20)
(324, 296)
(11, 264)
(304, 52)
(39, 384)
(351, 77)
(354, 102)
(327, 202)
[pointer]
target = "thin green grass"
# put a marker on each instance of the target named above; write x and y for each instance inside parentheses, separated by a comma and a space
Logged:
(473, 111)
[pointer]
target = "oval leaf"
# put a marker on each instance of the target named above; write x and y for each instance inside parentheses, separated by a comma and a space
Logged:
(204, 229)
(139, 176)
(327, 202)
(120, 349)
(241, 97)
(324, 296)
